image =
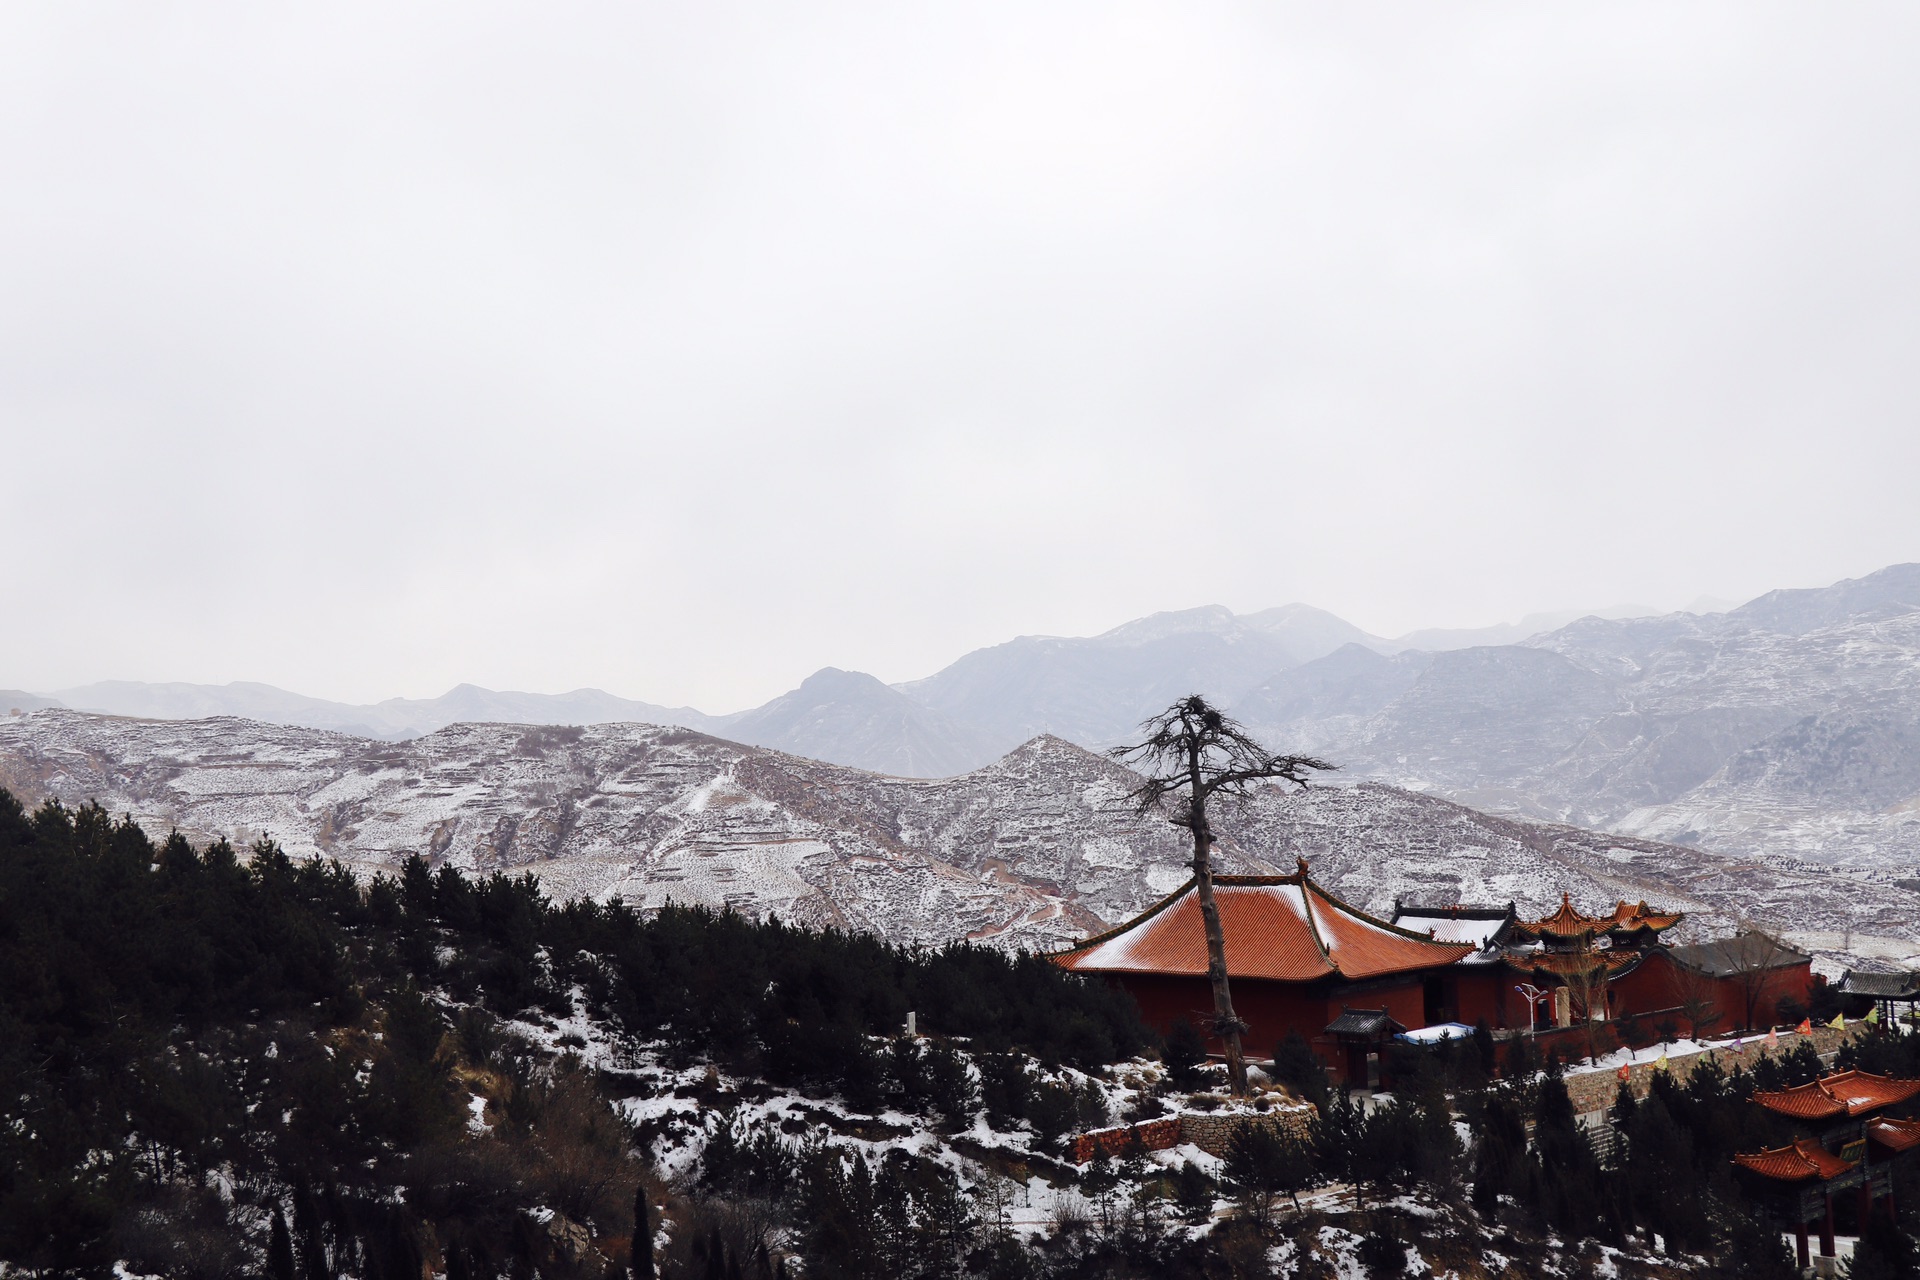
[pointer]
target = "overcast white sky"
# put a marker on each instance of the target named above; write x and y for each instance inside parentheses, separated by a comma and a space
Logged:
(683, 350)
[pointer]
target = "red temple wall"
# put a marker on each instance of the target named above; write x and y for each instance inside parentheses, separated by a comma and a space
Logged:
(1651, 987)
(1480, 994)
(1661, 986)
(1271, 1009)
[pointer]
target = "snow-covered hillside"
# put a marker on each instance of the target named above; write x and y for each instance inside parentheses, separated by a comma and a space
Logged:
(1036, 849)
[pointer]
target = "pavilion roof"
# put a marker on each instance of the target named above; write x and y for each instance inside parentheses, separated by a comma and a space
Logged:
(1286, 928)
(1844, 1093)
(1636, 917)
(1898, 985)
(1479, 924)
(1804, 1160)
(1570, 923)
(1363, 1022)
(1894, 1135)
(1742, 953)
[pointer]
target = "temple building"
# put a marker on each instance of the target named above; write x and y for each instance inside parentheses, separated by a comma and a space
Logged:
(1843, 1142)
(1536, 974)
(1299, 959)
(1744, 979)
(1565, 967)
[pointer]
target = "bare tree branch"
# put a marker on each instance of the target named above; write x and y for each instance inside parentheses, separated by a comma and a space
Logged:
(1192, 753)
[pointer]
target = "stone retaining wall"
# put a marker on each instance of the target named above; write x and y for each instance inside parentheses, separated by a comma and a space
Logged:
(1594, 1089)
(1211, 1133)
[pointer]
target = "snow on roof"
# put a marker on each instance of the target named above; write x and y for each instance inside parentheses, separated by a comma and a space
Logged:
(1898, 985)
(1842, 1093)
(1452, 926)
(1742, 953)
(1285, 928)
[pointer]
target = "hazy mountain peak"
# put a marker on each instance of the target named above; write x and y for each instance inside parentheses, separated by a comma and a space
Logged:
(1527, 628)
(835, 680)
(1795, 611)
(1210, 618)
(12, 700)
(852, 718)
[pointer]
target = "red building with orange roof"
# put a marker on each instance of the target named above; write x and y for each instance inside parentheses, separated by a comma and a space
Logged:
(1615, 962)
(1299, 959)
(1847, 1145)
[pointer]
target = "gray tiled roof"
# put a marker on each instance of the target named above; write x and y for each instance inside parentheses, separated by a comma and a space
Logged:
(1743, 953)
(1363, 1022)
(1881, 986)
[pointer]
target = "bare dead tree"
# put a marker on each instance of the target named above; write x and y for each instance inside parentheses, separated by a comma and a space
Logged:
(1587, 992)
(1191, 754)
(1698, 993)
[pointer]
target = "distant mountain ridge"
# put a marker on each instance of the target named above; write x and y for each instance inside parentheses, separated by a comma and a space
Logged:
(1091, 689)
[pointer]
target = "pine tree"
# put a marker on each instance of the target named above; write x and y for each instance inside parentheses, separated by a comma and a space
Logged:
(1498, 1155)
(641, 1264)
(1297, 1066)
(1885, 1252)
(280, 1248)
(1184, 1053)
(1564, 1168)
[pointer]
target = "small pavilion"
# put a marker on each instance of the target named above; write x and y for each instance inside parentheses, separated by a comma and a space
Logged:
(1863, 990)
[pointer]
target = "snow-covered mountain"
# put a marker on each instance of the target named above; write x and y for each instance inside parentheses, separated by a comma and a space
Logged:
(1037, 848)
(1790, 725)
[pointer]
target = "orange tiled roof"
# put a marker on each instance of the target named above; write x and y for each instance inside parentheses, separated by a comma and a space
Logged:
(1562, 964)
(1632, 917)
(1894, 1135)
(1803, 1160)
(1844, 1093)
(1567, 922)
(1285, 928)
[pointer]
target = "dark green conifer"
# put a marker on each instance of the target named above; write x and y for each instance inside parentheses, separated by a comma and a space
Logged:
(640, 1264)
(280, 1248)
(1297, 1066)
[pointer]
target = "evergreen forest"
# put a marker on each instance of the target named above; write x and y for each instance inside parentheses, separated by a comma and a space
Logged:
(235, 1064)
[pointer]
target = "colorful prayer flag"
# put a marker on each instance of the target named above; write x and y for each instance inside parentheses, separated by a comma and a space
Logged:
(1806, 1027)
(1839, 1022)
(1773, 1037)
(1873, 1015)
(1662, 1064)
(1739, 1044)
(1625, 1072)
